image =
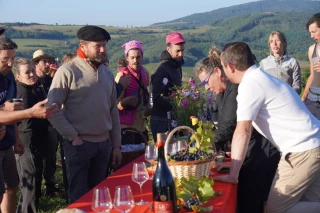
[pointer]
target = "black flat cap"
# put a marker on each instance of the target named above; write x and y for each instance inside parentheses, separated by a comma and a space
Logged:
(93, 33)
(2, 30)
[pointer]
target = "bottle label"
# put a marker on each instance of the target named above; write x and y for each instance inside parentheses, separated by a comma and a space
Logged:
(163, 207)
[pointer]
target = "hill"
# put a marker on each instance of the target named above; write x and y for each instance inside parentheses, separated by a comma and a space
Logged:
(210, 18)
(251, 28)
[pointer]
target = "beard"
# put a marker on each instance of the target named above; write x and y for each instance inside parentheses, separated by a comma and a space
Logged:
(5, 72)
(101, 58)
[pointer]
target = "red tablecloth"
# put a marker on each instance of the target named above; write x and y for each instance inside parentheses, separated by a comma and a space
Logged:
(224, 203)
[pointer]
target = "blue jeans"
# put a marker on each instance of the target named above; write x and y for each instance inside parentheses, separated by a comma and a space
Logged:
(86, 166)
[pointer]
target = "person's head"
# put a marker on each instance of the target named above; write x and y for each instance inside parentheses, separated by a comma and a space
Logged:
(277, 43)
(175, 45)
(313, 26)
(134, 54)
(67, 58)
(121, 63)
(236, 56)
(7, 55)
(93, 42)
(210, 72)
(2, 30)
(42, 62)
(24, 71)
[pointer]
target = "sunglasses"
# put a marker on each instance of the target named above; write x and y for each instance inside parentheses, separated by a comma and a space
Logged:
(206, 80)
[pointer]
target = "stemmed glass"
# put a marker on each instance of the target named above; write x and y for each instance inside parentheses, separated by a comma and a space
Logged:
(123, 199)
(101, 200)
(181, 145)
(150, 155)
(140, 175)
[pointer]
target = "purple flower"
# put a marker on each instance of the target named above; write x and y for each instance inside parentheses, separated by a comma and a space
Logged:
(185, 103)
(191, 81)
(210, 100)
(174, 123)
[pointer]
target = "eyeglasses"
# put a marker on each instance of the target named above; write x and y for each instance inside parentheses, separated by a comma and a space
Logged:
(6, 60)
(206, 80)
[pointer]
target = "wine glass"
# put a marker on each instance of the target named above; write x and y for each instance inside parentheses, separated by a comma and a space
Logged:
(101, 200)
(123, 199)
(140, 175)
(181, 145)
(150, 155)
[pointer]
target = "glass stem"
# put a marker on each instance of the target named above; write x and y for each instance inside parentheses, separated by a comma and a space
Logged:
(141, 192)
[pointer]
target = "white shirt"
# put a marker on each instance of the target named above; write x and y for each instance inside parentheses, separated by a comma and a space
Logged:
(277, 112)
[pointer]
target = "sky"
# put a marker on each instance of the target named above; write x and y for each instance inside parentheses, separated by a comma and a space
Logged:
(121, 13)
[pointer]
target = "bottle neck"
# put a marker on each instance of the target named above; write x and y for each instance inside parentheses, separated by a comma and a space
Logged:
(161, 153)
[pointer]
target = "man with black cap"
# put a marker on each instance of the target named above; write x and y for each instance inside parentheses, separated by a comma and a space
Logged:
(89, 119)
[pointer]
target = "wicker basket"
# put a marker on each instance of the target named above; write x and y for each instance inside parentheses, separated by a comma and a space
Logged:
(181, 169)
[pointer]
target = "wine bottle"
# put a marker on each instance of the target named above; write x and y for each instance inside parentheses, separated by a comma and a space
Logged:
(163, 186)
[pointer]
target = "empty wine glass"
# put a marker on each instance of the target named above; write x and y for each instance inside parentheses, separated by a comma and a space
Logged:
(101, 200)
(140, 175)
(123, 199)
(150, 155)
(181, 145)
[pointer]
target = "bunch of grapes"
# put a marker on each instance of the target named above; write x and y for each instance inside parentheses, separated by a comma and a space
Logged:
(191, 202)
(185, 155)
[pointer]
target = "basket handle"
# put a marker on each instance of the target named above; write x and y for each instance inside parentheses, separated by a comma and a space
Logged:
(173, 132)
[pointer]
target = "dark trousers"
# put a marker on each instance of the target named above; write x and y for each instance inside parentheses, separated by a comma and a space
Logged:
(64, 171)
(86, 166)
(50, 158)
(30, 168)
(158, 126)
(256, 174)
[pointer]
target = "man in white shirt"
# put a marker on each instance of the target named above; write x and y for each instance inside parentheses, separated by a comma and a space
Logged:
(277, 112)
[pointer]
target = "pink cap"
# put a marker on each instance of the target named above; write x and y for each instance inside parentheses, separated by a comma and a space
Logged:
(175, 38)
(132, 45)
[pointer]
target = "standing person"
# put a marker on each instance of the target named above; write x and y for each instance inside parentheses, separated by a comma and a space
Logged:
(33, 133)
(42, 63)
(279, 64)
(133, 103)
(262, 157)
(10, 113)
(311, 93)
(2, 30)
(89, 119)
(168, 70)
(276, 111)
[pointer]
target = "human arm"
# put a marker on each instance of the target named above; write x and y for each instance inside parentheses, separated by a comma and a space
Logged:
(11, 106)
(239, 148)
(296, 75)
(160, 91)
(311, 76)
(37, 111)
(58, 94)
(227, 119)
(115, 133)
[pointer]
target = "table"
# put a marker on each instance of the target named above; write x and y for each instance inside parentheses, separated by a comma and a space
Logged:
(224, 203)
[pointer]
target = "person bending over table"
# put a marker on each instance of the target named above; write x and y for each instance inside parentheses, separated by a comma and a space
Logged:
(262, 157)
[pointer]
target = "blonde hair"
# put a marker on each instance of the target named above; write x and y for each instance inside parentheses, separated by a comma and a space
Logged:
(67, 58)
(209, 63)
(282, 39)
(17, 63)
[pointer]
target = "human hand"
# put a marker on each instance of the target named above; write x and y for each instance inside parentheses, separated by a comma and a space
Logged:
(12, 106)
(3, 130)
(129, 101)
(125, 81)
(40, 111)
(18, 147)
(316, 66)
(77, 141)
(220, 166)
(116, 157)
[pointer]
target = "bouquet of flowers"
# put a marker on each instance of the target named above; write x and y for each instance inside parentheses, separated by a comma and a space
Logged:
(190, 99)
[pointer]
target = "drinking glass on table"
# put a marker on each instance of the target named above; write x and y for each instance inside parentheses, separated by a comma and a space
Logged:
(123, 199)
(181, 145)
(101, 200)
(140, 175)
(151, 155)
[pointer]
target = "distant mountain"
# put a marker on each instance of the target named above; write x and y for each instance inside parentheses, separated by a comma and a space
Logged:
(212, 17)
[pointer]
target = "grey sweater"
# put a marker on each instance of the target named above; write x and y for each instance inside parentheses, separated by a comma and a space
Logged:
(285, 68)
(87, 101)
